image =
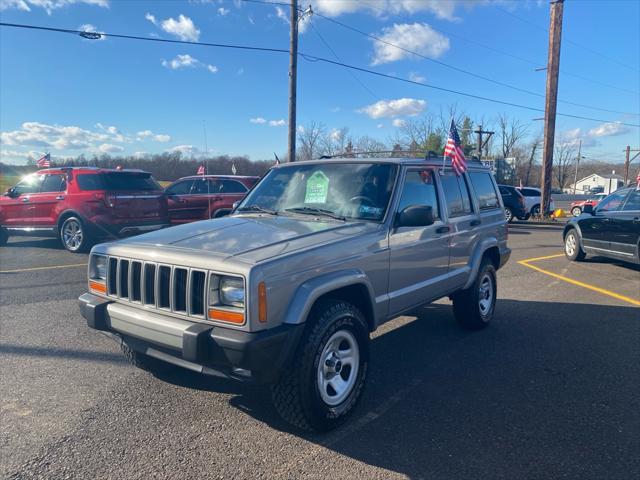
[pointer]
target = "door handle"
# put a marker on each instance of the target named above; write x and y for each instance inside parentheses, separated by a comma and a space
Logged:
(606, 219)
(25, 199)
(636, 220)
(60, 197)
(442, 229)
(474, 223)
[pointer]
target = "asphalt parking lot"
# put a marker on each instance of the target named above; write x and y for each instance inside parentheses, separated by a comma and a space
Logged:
(550, 390)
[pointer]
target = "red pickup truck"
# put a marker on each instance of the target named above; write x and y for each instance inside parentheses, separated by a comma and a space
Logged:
(83, 204)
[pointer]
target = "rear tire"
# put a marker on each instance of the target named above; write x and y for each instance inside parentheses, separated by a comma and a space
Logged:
(324, 383)
(572, 249)
(4, 237)
(474, 307)
(508, 215)
(73, 234)
(576, 211)
(535, 211)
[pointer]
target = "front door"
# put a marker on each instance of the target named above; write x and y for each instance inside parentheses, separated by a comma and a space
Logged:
(176, 199)
(18, 210)
(419, 255)
(44, 203)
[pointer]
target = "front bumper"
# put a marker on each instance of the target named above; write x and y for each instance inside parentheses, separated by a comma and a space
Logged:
(222, 352)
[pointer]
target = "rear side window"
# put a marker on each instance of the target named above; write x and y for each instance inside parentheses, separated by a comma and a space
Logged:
(125, 181)
(204, 186)
(419, 189)
(180, 188)
(231, 186)
(633, 202)
(54, 183)
(456, 195)
(505, 191)
(528, 192)
(483, 186)
(90, 181)
(612, 203)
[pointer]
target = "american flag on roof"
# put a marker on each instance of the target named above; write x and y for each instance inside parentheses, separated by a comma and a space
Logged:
(44, 161)
(454, 151)
(201, 170)
(638, 181)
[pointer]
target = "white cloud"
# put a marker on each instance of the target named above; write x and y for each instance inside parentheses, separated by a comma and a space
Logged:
(48, 5)
(277, 123)
(183, 28)
(162, 138)
(223, 12)
(380, 125)
(144, 134)
(441, 9)
(282, 15)
(185, 149)
(148, 134)
(416, 77)
(186, 61)
(334, 109)
(151, 18)
(240, 71)
(300, 128)
(394, 108)
(110, 148)
(608, 130)
(398, 122)
(417, 37)
(258, 120)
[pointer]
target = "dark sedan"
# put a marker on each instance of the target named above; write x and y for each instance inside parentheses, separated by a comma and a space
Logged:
(611, 229)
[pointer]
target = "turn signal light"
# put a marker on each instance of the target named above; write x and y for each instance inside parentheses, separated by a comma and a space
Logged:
(97, 287)
(225, 316)
(262, 302)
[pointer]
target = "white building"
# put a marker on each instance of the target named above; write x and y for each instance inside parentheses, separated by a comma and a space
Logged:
(602, 183)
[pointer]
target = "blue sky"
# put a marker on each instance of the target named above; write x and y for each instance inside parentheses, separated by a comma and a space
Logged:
(67, 95)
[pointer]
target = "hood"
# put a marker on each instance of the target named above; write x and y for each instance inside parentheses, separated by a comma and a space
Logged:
(252, 238)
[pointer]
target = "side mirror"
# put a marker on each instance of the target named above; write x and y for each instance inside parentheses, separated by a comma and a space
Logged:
(235, 205)
(415, 216)
(588, 209)
(11, 193)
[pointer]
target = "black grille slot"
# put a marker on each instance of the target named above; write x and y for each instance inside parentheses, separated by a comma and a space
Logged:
(124, 278)
(164, 282)
(150, 284)
(113, 276)
(180, 289)
(136, 280)
(197, 293)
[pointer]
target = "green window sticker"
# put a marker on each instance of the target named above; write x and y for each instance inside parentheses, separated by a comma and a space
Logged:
(317, 188)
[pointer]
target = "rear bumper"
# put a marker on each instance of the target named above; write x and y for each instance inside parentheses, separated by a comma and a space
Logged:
(222, 352)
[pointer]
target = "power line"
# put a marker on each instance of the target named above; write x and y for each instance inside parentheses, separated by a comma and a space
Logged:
(313, 58)
(576, 44)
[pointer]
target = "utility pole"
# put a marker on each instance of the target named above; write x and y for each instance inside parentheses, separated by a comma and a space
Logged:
(480, 144)
(627, 161)
(553, 68)
(575, 178)
(293, 79)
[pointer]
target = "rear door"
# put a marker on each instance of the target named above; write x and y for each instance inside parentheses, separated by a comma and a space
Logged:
(230, 191)
(46, 202)
(462, 221)
(626, 226)
(597, 230)
(419, 255)
(203, 198)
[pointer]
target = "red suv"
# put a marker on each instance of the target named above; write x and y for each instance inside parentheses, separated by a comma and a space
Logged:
(82, 204)
(206, 196)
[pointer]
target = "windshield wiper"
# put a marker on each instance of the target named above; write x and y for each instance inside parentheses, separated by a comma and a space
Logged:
(316, 211)
(257, 208)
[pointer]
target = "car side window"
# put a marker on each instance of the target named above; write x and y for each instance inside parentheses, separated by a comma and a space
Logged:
(456, 195)
(180, 188)
(231, 186)
(486, 192)
(504, 191)
(527, 192)
(29, 184)
(419, 189)
(633, 202)
(612, 203)
(53, 183)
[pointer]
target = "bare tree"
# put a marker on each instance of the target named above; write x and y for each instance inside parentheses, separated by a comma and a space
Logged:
(310, 139)
(511, 131)
(533, 149)
(335, 142)
(369, 144)
(564, 154)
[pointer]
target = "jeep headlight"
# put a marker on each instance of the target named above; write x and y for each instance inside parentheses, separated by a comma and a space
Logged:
(232, 291)
(98, 268)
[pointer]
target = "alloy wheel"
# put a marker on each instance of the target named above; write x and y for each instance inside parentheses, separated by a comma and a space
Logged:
(338, 367)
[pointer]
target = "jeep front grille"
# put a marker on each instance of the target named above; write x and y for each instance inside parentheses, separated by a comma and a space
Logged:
(181, 290)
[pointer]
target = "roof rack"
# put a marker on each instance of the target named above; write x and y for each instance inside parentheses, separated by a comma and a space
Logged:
(396, 153)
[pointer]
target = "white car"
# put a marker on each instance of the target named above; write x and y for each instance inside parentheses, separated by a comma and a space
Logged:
(532, 198)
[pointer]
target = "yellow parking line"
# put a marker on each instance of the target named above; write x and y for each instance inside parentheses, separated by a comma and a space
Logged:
(609, 293)
(43, 268)
(535, 259)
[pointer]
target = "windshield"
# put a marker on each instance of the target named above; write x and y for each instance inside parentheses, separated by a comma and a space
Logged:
(350, 190)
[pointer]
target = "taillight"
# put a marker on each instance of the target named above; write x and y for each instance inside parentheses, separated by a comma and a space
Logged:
(521, 200)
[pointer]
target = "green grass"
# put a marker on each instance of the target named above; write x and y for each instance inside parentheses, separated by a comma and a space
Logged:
(7, 181)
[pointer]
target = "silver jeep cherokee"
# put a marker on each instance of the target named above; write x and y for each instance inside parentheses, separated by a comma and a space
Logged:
(286, 289)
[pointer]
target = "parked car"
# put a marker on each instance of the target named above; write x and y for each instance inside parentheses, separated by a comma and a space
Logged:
(203, 197)
(514, 203)
(83, 204)
(611, 229)
(287, 289)
(578, 206)
(596, 189)
(533, 200)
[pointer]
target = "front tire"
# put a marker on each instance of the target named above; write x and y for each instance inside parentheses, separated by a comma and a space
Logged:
(325, 381)
(572, 249)
(474, 307)
(74, 235)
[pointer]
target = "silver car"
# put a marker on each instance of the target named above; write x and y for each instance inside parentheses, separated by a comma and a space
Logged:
(287, 288)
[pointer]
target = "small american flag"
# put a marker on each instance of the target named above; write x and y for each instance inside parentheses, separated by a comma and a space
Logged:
(454, 151)
(200, 170)
(638, 181)
(44, 161)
